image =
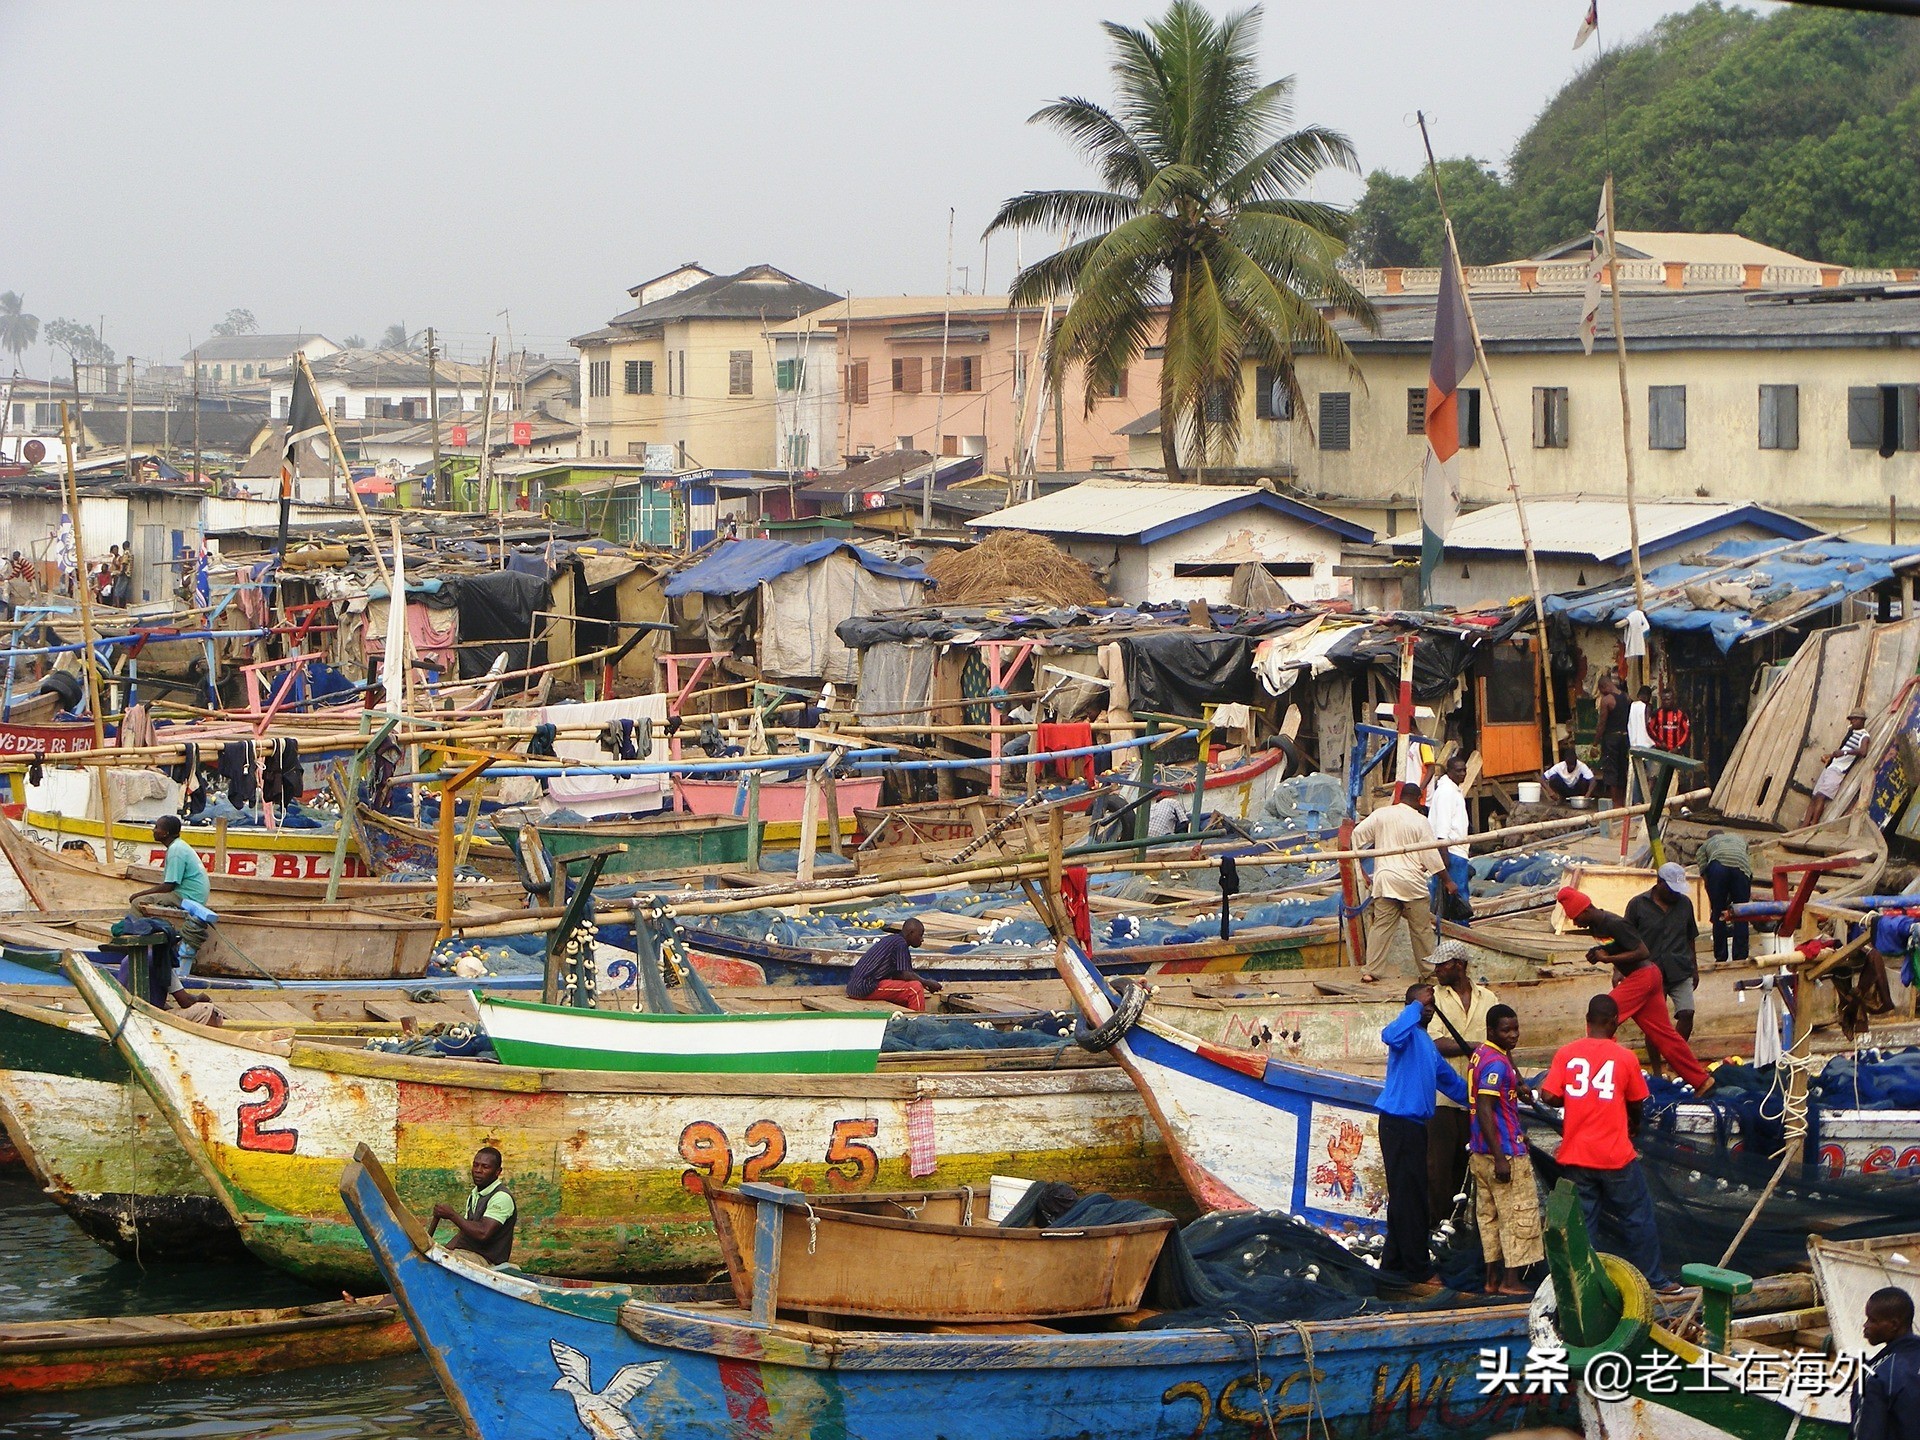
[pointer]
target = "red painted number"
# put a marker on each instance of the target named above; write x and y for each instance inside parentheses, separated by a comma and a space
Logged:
(844, 1148)
(772, 1143)
(703, 1145)
(253, 1113)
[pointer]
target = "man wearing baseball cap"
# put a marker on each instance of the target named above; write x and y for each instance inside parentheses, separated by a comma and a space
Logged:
(1638, 991)
(1664, 917)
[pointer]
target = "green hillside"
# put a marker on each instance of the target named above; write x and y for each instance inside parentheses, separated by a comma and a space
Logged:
(1801, 130)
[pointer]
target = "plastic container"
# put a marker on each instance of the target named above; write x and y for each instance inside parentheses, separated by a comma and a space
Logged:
(1528, 791)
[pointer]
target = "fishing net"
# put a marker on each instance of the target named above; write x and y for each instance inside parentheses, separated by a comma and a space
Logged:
(912, 1033)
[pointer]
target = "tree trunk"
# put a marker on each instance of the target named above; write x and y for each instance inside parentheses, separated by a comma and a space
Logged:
(1169, 410)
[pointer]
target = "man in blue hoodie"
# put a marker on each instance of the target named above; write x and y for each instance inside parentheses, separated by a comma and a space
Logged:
(1415, 1072)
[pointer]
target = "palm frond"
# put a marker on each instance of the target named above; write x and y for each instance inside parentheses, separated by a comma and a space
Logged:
(1291, 163)
(1116, 154)
(1068, 209)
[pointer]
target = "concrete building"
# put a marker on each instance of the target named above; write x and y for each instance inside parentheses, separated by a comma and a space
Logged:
(223, 361)
(1157, 541)
(389, 387)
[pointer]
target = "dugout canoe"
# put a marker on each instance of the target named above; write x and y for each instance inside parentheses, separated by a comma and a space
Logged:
(40, 1356)
(663, 843)
(602, 1165)
(931, 832)
(799, 1042)
(519, 1356)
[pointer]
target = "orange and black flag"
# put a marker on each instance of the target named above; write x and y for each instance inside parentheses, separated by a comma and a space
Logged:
(1452, 360)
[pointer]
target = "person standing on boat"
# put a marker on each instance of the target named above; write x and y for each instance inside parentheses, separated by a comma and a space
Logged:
(1400, 880)
(1663, 915)
(1506, 1206)
(1726, 867)
(486, 1229)
(1610, 725)
(1461, 1005)
(1839, 762)
(1597, 1084)
(1886, 1406)
(183, 878)
(1447, 813)
(1415, 1072)
(1639, 988)
(886, 971)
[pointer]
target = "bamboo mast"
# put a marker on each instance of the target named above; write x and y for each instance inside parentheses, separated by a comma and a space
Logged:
(86, 627)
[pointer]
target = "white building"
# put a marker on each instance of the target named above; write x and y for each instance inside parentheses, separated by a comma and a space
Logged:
(391, 385)
(806, 396)
(223, 361)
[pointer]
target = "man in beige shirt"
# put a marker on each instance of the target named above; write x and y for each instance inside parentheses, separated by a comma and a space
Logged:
(1460, 1004)
(1400, 882)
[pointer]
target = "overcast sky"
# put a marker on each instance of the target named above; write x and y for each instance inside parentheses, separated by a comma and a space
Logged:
(342, 166)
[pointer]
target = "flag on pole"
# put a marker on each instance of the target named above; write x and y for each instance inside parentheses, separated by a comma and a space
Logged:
(1596, 269)
(305, 420)
(1588, 24)
(65, 553)
(1452, 360)
(202, 580)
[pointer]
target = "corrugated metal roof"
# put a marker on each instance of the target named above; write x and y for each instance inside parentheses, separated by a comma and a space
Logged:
(1145, 511)
(1594, 527)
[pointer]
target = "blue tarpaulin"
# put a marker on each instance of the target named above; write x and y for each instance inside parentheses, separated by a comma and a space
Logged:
(739, 565)
(1822, 572)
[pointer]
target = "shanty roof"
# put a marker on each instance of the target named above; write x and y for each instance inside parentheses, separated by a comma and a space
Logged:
(250, 347)
(401, 367)
(760, 292)
(1597, 528)
(739, 565)
(545, 428)
(1146, 511)
(891, 471)
(1713, 248)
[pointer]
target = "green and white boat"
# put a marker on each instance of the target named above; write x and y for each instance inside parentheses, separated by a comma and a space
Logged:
(794, 1042)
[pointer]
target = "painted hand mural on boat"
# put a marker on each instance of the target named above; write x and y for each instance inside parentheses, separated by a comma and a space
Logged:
(1352, 1178)
(603, 1413)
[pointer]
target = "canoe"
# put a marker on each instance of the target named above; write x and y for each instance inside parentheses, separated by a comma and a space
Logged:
(898, 1261)
(1238, 791)
(781, 802)
(391, 842)
(932, 832)
(251, 852)
(518, 1356)
(92, 1139)
(601, 1164)
(669, 842)
(45, 1355)
(797, 1043)
(297, 942)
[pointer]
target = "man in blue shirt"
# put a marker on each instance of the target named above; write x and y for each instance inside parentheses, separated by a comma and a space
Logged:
(886, 971)
(1415, 1071)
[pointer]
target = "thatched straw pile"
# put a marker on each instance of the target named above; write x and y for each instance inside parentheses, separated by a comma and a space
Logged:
(1013, 565)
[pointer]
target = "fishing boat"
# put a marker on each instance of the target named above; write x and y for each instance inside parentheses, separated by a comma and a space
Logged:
(933, 832)
(663, 843)
(520, 1356)
(782, 802)
(393, 842)
(247, 851)
(796, 1043)
(928, 1256)
(604, 1165)
(38, 1356)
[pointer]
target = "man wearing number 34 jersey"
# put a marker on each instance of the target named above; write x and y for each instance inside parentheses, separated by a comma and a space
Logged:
(1597, 1082)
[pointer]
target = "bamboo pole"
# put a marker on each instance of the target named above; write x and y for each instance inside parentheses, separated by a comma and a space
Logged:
(86, 617)
(1626, 407)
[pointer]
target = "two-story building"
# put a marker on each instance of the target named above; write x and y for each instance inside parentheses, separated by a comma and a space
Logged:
(690, 368)
(392, 386)
(224, 361)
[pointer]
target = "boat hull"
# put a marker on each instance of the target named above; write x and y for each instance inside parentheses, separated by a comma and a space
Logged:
(250, 853)
(670, 843)
(804, 1043)
(781, 803)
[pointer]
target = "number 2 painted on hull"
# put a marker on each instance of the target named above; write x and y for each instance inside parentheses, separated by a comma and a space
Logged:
(252, 1113)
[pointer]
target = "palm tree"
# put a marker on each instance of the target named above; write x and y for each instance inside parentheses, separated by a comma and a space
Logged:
(1199, 213)
(18, 330)
(395, 337)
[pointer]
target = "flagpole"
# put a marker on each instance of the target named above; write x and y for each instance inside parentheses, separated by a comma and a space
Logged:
(1506, 451)
(1626, 409)
(92, 673)
(340, 460)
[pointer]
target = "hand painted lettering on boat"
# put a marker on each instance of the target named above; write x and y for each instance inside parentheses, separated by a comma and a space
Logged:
(252, 1114)
(709, 1153)
(1401, 1405)
(1250, 1399)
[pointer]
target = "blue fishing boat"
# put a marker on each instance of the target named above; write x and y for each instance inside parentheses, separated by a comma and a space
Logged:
(1248, 1131)
(522, 1357)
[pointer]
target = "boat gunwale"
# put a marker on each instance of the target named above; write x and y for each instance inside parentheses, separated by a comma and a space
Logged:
(734, 1197)
(646, 1017)
(289, 1319)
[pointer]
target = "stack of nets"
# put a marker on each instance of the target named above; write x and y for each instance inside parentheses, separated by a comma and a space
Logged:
(1013, 565)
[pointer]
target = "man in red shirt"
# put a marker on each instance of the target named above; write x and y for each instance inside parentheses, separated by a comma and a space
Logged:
(1598, 1084)
(1639, 989)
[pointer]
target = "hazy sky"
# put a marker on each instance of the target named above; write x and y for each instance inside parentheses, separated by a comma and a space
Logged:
(341, 166)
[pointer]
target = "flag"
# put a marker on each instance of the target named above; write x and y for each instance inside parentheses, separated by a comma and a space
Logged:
(1452, 359)
(1589, 24)
(305, 420)
(202, 581)
(64, 554)
(1596, 269)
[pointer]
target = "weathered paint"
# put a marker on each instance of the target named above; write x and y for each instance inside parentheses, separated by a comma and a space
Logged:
(250, 853)
(673, 842)
(499, 1341)
(603, 1166)
(797, 1042)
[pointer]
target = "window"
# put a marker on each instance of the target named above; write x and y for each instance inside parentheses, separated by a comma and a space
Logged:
(683, 374)
(1336, 420)
(903, 442)
(372, 410)
(248, 373)
(286, 402)
(449, 405)
(789, 374)
(798, 445)
(1666, 417)
(1416, 410)
(949, 444)
(1219, 569)
(599, 378)
(1883, 417)
(20, 414)
(1117, 390)
(739, 372)
(1272, 400)
(856, 383)
(639, 377)
(1468, 403)
(1779, 417)
(963, 373)
(636, 449)
(1216, 407)
(906, 375)
(1103, 462)
(1549, 417)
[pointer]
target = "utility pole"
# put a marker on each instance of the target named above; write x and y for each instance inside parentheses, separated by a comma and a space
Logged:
(80, 422)
(196, 417)
(940, 406)
(483, 476)
(128, 457)
(440, 497)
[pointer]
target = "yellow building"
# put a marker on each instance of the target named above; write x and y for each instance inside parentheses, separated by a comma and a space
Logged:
(685, 380)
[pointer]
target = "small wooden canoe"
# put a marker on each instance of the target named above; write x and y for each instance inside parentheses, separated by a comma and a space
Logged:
(933, 831)
(793, 1043)
(668, 842)
(909, 1265)
(43, 1355)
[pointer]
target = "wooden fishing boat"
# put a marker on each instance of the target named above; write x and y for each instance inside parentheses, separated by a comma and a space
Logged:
(46, 1355)
(932, 832)
(667, 842)
(795, 1043)
(781, 802)
(53, 737)
(1238, 791)
(251, 852)
(391, 842)
(912, 1257)
(601, 1163)
(519, 1356)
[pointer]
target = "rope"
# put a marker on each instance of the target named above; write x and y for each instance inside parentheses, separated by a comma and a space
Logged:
(1299, 1327)
(1259, 1380)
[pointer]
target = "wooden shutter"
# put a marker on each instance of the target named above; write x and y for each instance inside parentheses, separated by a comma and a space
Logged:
(1336, 420)
(1666, 417)
(1907, 413)
(906, 375)
(1120, 386)
(856, 385)
(1562, 427)
(1266, 379)
(739, 372)
(1542, 426)
(1416, 410)
(1779, 417)
(1863, 417)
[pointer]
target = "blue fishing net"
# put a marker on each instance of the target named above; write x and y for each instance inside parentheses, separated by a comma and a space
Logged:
(911, 1033)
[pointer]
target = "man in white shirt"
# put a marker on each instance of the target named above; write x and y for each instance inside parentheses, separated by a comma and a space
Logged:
(1400, 880)
(1639, 735)
(1447, 813)
(1571, 776)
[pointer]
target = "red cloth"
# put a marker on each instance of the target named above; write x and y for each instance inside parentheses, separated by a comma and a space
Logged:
(1596, 1079)
(910, 993)
(1642, 998)
(1073, 895)
(1077, 736)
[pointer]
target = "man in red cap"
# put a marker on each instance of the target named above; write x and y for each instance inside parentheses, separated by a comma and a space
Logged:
(1639, 989)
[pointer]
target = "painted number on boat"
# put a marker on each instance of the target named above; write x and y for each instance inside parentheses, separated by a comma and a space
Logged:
(253, 1114)
(852, 1164)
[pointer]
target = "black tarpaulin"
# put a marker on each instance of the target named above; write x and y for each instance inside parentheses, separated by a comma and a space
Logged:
(499, 607)
(1173, 672)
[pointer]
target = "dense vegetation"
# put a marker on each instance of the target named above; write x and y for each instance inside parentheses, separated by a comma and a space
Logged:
(1799, 129)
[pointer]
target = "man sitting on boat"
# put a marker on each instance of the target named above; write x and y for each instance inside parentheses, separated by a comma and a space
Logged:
(1887, 1404)
(1400, 879)
(183, 878)
(1839, 761)
(486, 1230)
(1639, 989)
(886, 971)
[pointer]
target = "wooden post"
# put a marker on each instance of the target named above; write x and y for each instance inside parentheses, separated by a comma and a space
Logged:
(809, 822)
(483, 475)
(832, 795)
(443, 862)
(441, 498)
(86, 622)
(220, 847)
(753, 820)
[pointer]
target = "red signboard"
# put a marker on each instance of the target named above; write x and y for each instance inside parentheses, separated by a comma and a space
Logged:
(457, 435)
(523, 432)
(44, 739)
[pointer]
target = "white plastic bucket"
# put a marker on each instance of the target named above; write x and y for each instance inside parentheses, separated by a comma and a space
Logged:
(1528, 791)
(1003, 1193)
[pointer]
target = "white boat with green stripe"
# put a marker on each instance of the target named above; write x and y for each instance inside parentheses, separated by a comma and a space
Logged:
(793, 1042)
